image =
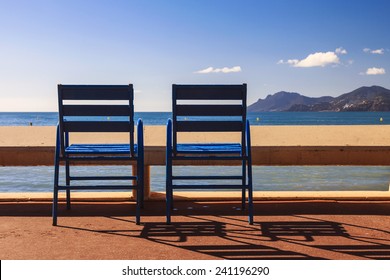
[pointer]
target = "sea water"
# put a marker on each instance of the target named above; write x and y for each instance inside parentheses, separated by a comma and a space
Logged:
(266, 178)
(261, 118)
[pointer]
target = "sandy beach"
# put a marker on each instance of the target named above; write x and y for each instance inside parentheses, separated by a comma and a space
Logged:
(359, 135)
(271, 145)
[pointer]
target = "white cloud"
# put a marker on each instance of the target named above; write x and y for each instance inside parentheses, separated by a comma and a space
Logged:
(366, 50)
(208, 70)
(205, 71)
(292, 61)
(378, 51)
(375, 71)
(341, 51)
(318, 59)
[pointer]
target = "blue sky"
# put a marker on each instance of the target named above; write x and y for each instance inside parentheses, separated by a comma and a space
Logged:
(312, 47)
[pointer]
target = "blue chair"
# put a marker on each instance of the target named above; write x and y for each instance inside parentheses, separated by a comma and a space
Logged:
(201, 109)
(97, 108)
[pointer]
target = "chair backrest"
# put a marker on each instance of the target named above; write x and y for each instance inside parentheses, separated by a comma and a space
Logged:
(96, 108)
(209, 108)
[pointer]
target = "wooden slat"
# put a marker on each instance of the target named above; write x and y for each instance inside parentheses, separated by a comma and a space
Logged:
(209, 110)
(209, 92)
(96, 110)
(209, 187)
(98, 187)
(97, 126)
(209, 126)
(95, 92)
(207, 177)
(88, 178)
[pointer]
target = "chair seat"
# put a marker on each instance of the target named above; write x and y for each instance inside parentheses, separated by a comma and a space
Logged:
(220, 148)
(99, 149)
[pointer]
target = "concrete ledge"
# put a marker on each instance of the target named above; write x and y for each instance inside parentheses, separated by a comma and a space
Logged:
(321, 155)
(26, 156)
(271, 155)
(205, 196)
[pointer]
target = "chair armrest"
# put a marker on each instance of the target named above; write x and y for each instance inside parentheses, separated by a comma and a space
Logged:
(140, 136)
(248, 139)
(169, 137)
(58, 141)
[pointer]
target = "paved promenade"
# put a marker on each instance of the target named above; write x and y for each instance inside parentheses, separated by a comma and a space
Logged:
(307, 229)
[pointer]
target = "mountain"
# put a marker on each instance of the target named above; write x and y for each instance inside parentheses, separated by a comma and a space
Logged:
(372, 98)
(283, 101)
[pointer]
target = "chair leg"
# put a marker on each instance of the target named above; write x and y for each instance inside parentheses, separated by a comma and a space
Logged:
(55, 206)
(168, 185)
(250, 193)
(67, 176)
(138, 207)
(141, 194)
(55, 190)
(68, 204)
(168, 173)
(172, 202)
(169, 204)
(243, 196)
(142, 186)
(140, 191)
(170, 192)
(250, 205)
(169, 197)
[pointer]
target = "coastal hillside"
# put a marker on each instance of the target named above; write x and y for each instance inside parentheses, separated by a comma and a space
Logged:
(374, 98)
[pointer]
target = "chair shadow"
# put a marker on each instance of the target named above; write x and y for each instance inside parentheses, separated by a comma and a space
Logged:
(306, 229)
(232, 247)
(180, 232)
(369, 251)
